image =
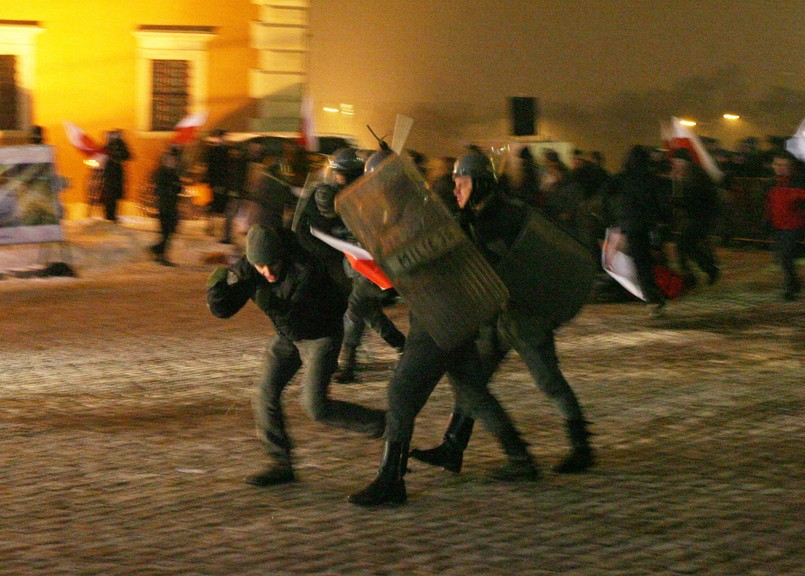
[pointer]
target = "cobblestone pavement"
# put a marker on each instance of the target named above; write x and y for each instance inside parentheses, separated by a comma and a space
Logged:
(126, 432)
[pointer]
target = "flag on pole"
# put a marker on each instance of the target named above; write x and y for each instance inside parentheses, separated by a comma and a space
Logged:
(358, 258)
(187, 128)
(307, 125)
(796, 144)
(93, 151)
(680, 136)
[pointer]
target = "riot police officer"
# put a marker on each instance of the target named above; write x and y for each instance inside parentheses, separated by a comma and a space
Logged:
(495, 222)
(365, 306)
(421, 367)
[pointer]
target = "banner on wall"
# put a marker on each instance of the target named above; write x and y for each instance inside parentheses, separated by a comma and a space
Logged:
(30, 209)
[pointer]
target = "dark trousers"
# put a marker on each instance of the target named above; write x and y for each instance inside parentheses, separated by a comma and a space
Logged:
(641, 252)
(533, 339)
(366, 307)
(110, 209)
(421, 367)
(319, 357)
(167, 226)
(786, 244)
(694, 245)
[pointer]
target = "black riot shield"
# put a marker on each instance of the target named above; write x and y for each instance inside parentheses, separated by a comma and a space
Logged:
(547, 271)
(447, 283)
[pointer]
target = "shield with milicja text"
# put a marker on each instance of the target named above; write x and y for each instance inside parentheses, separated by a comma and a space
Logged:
(433, 265)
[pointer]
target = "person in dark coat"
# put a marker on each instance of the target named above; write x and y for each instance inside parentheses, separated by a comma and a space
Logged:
(295, 292)
(114, 173)
(216, 158)
(699, 212)
(641, 213)
(168, 187)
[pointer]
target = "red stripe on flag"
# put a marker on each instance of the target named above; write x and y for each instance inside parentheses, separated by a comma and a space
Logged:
(370, 270)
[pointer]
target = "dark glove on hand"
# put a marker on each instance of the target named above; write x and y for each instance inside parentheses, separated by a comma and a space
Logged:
(219, 275)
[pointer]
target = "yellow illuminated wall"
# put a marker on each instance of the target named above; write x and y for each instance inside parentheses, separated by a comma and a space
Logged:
(85, 72)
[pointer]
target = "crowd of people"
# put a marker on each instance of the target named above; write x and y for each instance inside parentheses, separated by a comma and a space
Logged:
(319, 305)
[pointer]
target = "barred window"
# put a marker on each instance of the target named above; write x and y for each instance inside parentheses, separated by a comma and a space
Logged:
(170, 93)
(9, 106)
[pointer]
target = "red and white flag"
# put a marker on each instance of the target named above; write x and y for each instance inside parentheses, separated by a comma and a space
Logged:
(680, 136)
(358, 258)
(93, 151)
(187, 128)
(307, 125)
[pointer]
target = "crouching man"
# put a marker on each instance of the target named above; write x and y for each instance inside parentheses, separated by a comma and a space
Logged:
(307, 310)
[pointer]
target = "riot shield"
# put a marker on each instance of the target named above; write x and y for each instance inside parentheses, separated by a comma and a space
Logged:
(547, 271)
(447, 283)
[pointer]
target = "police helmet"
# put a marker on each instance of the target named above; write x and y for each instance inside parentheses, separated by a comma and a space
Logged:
(376, 159)
(480, 168)
(476, 165)
(347, 162)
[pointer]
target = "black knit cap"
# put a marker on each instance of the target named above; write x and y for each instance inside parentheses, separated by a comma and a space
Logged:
(263, 246)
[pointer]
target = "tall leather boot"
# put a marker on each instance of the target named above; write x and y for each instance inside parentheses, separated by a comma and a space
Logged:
(346, 372)
(581, 456)
(388, 487)
(450, 453)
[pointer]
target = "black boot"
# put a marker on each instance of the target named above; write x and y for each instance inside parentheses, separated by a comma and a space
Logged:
(279, 472)
(450, 453)
(521, 465)
(346, 372)
(388, 486)
(581, 456)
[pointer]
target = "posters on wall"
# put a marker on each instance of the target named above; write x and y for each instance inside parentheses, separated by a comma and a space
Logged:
(30, 209)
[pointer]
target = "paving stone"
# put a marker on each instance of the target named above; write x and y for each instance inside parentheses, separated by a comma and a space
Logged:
(126, 431)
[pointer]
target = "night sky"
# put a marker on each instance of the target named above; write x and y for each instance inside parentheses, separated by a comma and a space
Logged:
(605, 72)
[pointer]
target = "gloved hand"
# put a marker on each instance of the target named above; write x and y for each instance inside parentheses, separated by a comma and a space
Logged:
(219, 275)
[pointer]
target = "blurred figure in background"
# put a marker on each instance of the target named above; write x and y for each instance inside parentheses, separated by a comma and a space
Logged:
(699, 212)
(114, 173)
(785, 213)
(167, 187)
(216, 158)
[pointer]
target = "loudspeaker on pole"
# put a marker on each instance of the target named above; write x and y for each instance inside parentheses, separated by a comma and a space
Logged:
(524, 112)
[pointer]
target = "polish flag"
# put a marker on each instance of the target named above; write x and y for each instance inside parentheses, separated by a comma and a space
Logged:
(358, 258)
(93, 151)
(307, 125)
(187, 128)
(678, 136)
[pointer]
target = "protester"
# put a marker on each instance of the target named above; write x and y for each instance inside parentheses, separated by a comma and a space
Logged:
(699, 212)
(785, 213)
(167, 187)
(216, 158)
(306, 309)
(495, 222)
(113, 180)
(641, 213)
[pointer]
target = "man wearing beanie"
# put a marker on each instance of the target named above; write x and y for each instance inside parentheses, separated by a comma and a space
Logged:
(307, 309)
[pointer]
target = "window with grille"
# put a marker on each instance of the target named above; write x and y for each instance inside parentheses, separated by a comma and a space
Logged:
(9, 109)
(170, 93)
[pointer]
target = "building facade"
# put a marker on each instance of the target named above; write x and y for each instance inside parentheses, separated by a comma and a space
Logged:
(142, 66)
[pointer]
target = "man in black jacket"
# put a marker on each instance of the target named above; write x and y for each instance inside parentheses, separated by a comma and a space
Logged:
(302, 301)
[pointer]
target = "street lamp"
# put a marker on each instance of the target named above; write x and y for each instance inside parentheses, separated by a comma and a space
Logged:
(731, 116)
